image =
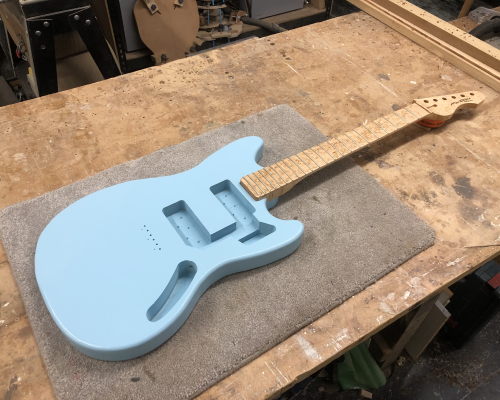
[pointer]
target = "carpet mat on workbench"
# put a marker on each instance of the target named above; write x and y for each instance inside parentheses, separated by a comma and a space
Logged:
(355, 233)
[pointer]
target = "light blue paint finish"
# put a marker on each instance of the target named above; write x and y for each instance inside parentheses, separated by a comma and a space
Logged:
(121, 269)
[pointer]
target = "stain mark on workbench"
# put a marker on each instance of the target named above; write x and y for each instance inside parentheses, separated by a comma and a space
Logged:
(427, 198)
(436, 178)
(463, 187)
(302, 93)
(472, 213)
(403, 196)
(383, 164)
(12, 388)
(24, 333)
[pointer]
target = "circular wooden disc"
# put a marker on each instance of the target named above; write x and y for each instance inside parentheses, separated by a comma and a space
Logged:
(171, 31)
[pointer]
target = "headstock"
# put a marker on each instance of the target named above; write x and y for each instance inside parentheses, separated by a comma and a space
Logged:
(442, 108)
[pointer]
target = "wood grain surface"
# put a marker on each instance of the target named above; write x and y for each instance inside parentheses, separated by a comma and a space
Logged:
(337, 74)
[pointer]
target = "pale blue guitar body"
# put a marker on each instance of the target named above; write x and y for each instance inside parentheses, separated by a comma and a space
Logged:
(121, 269)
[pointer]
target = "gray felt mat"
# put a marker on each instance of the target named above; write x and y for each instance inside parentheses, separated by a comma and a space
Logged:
(355, 232)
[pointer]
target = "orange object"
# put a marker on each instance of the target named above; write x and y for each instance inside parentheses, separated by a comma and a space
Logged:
(429, 123)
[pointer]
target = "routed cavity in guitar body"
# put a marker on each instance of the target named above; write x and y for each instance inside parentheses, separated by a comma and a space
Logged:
(182, 278)
(246, 228)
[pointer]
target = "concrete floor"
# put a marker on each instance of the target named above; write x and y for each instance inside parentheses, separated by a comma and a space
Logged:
(442, 372)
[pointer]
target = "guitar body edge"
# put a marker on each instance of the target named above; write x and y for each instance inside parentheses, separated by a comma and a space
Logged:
(152, 343)
(121, 269)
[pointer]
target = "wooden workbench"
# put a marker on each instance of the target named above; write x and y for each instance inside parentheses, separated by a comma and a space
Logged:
(337, 74)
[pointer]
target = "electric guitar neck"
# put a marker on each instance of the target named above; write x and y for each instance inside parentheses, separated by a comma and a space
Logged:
(273, 181)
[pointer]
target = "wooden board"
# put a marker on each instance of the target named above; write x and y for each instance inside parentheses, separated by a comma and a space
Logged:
(472, 55)
(77, 70)
(473, 47)
(465, 8)
(319, 4)
(434, 321)
(336, 74)
(410, 330)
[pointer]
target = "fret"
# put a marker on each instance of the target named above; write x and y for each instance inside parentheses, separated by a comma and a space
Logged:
(294, 167)
(308, 161)
(269, 186)
(406, 116)
(251, 187)
(366, 134)
(418, 111)
(269, 178)
(331, 150)
(277, 177)
(347, 142)
(357, 138)
(385, 126)
(300, 164)
(289, 172)
(259, 183)
(339, 146)
(396, 121)
(315, 157)
(278, 186)
(375, 129)
(305, 163)
(327, 158)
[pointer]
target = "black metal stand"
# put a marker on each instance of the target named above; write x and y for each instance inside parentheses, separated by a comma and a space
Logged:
(85, 23)
(43, 55)
(8, 71)
(46, 18)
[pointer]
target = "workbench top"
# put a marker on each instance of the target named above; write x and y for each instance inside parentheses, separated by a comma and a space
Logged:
(337, 74)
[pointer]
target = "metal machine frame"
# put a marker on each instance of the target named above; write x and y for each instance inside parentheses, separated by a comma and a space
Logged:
(32, 25)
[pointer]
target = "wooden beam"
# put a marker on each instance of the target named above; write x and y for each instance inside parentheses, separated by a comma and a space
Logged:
(429, 328)
(319, 4)
(444, 31)
(465, 9)
(473, 56)
(412, 327)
